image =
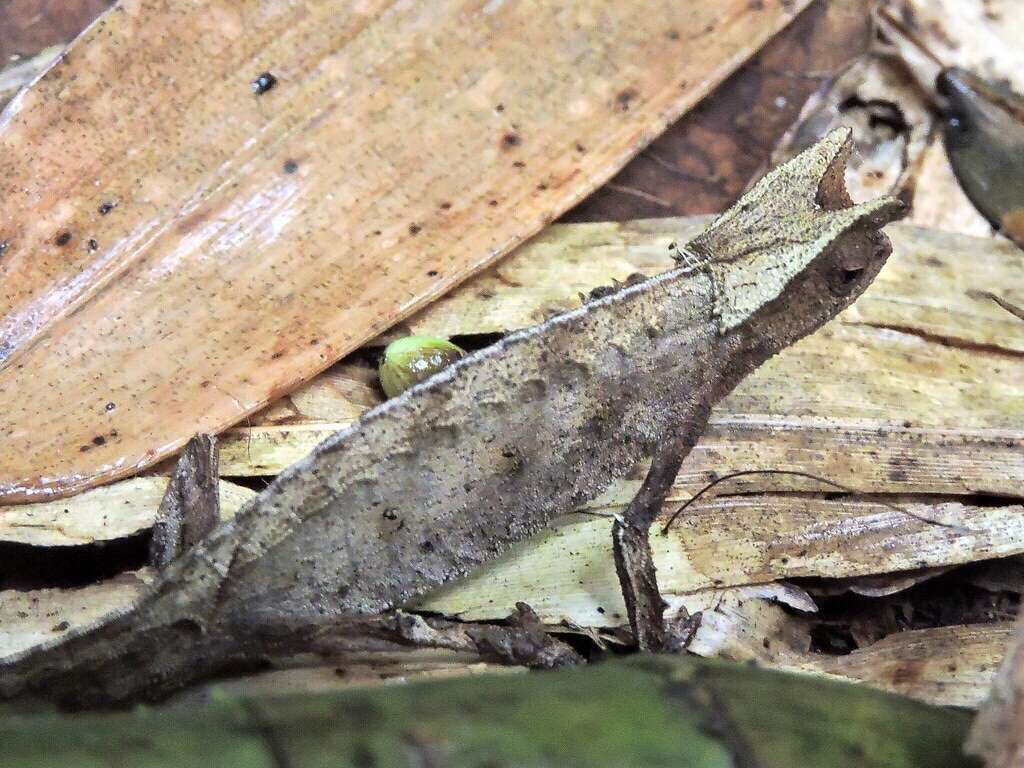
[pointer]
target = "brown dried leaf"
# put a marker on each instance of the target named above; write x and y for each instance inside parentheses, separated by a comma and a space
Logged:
(258, 241)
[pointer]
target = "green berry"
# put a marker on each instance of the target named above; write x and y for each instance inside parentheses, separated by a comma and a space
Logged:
(413, 359)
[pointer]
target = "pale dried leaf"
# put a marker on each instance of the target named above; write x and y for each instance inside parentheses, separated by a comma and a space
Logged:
(746, 628)
(341, 393)
(707, 600)
(101, 514)
(952, 666)
(33, 617)
(979, 35)
(567, 574)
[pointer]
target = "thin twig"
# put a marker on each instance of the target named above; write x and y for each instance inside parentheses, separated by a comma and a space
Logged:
(1009, 306)
(908, 34)
(809, 476)
(622, 188)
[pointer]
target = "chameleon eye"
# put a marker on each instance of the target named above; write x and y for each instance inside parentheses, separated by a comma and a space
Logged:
(846, 270)
(847, 276)
(843, 279)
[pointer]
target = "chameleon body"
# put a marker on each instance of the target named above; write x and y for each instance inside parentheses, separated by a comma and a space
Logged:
(489, 451)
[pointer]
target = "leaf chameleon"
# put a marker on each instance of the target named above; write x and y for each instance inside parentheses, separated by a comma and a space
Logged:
(431, 484)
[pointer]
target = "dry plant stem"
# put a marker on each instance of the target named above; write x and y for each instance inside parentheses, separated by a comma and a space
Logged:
(809, 476)
(520, 640)
(1009, 306)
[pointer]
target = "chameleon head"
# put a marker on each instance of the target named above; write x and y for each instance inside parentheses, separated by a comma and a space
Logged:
(794, 250)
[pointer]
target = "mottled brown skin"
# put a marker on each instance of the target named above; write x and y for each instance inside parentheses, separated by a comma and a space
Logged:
(190, 508)
(486, 453)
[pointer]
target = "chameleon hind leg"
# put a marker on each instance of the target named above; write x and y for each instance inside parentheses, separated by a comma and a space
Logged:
(634, 561)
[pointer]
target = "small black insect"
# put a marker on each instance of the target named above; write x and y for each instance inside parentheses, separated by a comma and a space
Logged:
(63, 238)
(106, 208)
(263, 83)
(4, 245)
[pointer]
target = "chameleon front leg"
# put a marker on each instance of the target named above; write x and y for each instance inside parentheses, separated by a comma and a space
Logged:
(634, 561)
